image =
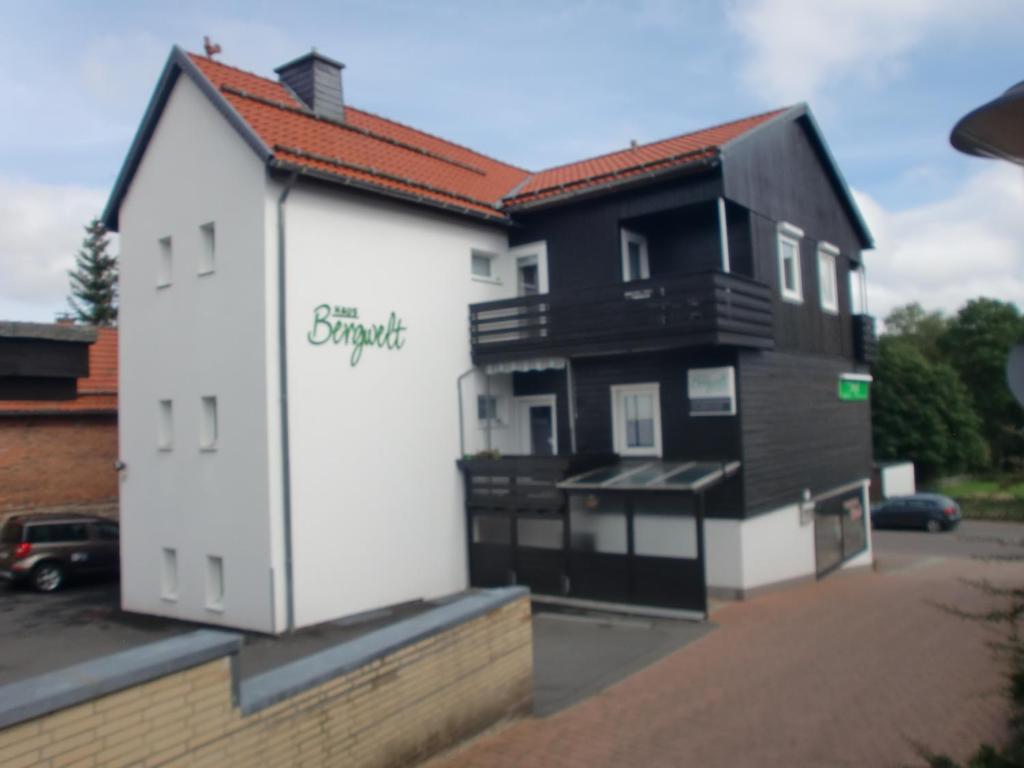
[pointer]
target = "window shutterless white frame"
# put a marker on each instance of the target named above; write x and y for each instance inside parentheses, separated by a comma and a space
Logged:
(619, 393)
(856, 284)
(828, 284)
(532, 253)
(208, 423)
(644, 272)
(169, 574)
(165, 425)
(481, 266)
(790, 282)
(215, 583)
(207, 249)
(165, 262)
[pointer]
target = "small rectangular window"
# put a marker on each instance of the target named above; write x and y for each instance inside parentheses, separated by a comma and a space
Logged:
(208, 424)
(169, 574)
(165, 426)
(165, 263)
(858, 304)
(636, 417)
(635, 262)
(827, 283)
(482, 265)
(207, 248)
(215, 583)
(487, 407)
(789, 263)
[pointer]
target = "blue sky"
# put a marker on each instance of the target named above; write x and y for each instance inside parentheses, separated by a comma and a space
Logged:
(538, 84)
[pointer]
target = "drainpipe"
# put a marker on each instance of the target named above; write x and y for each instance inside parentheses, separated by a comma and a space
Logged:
(723, 235)
(570, 386)
(286, 473)
(487, 391)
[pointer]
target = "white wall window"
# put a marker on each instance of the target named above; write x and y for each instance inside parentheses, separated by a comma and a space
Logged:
(165, 262)
(635, 262)
(828, 285)
(483, 265)
(208, 423)
(165, 425)
(636, 419)
(790, 284)
(207, 248)
(169, 574)
(215, 583)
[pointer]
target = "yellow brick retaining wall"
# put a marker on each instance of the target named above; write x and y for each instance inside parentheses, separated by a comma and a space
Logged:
(396, 710)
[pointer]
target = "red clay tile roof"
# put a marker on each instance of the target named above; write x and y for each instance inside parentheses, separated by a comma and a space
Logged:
(97, 393)
(386, 154)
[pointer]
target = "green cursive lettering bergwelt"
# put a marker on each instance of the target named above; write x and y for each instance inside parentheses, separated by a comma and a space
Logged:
(354, 334)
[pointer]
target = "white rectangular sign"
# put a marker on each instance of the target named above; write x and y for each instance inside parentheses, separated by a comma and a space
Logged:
(712, 391)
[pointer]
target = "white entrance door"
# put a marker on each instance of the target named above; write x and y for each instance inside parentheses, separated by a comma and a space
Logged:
(537, 423)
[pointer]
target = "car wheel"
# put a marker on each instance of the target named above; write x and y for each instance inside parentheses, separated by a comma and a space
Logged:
(933, 526)
(47, 577)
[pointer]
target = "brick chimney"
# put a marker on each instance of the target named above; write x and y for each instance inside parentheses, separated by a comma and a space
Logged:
(316, 80)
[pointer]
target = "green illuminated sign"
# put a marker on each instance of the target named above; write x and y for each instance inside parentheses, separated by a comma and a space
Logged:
(854, 389)
(340, 325)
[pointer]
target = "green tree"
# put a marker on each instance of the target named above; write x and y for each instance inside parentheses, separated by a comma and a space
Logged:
(977, 343)
(93, 298)
(924, 328)
(921, 411)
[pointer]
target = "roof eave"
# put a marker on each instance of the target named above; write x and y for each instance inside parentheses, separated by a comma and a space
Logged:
(178, 62)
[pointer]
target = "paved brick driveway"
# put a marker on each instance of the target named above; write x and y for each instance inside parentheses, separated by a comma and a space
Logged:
(846, 672)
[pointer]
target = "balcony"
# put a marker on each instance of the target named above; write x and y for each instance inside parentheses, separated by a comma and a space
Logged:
(712, 308)
(865, 342)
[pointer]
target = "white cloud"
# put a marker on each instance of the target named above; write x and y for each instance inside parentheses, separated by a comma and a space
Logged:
(40, 232)
(795, 48)
(967, 245)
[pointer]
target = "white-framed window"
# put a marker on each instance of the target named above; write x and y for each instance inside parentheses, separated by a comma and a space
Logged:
(215, 583)
(208, 423)
(636, 419)
(169, 574)
(165, 425)
(488, 409)
(635, 262)
(531, 261)
(165, 262)
(789, 262)
(207, 248)
(828, 284)
(858, 304)
(483, 266)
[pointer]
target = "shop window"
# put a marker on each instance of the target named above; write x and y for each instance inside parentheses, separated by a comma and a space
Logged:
(165, 263)
(215, 583)
(169, 574)
(208, 424)
(635, 262)
(789, 263)
(165, 425)
(827, 283)
(636, 419)
(208, 247)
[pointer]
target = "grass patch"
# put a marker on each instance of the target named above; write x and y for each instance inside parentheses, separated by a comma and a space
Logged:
(989, 497)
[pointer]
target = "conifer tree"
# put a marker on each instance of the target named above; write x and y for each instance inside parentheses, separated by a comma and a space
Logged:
(93, 296)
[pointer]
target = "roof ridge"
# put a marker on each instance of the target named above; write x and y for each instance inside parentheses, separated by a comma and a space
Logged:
(666, 138)
(191, 54)
(438, 138)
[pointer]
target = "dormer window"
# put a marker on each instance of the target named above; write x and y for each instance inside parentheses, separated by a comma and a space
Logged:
(635, 263)
(789, 263)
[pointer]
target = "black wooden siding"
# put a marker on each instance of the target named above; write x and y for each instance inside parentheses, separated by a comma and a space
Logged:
(796, 432)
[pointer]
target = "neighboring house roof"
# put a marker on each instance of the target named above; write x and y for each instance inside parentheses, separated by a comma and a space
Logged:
(387, 157)
(97, 393)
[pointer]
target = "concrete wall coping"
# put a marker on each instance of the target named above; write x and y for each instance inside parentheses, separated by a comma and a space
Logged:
(282, 682)
(40, 695)
(48, 331)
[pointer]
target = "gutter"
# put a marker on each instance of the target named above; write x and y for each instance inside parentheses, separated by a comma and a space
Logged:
(282, 366)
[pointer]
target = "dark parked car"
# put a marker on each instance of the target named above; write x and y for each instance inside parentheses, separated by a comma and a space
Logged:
(44, 550)
(922, 510)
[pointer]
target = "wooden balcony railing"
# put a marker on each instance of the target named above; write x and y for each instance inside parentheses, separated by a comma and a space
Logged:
(865, 341)
(707, 308)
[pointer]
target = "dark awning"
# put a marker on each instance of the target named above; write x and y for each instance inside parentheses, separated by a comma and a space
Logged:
(995, 129)
(657, 475)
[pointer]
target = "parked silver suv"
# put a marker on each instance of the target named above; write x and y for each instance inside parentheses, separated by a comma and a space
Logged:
(45, 550)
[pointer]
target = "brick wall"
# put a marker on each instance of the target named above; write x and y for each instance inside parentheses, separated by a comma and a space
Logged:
(396, 711)
(57, 462)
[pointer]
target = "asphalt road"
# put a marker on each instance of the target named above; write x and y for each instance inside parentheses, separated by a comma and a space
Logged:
(970, 539)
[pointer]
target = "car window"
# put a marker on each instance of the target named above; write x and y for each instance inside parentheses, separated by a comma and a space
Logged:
(47, 533)
(10, 533)
(107, 531)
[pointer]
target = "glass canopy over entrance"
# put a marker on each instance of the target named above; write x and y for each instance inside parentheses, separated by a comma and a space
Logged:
(639, 475)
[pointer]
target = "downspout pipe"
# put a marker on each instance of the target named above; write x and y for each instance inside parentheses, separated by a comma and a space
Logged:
(282, 346)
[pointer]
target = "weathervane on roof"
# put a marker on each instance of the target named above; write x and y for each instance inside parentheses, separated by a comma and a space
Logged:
(211, 47)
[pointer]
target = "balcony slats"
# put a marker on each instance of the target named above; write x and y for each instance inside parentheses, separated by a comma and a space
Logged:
(644, 314)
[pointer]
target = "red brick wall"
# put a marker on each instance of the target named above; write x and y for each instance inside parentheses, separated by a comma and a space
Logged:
(57, 461)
